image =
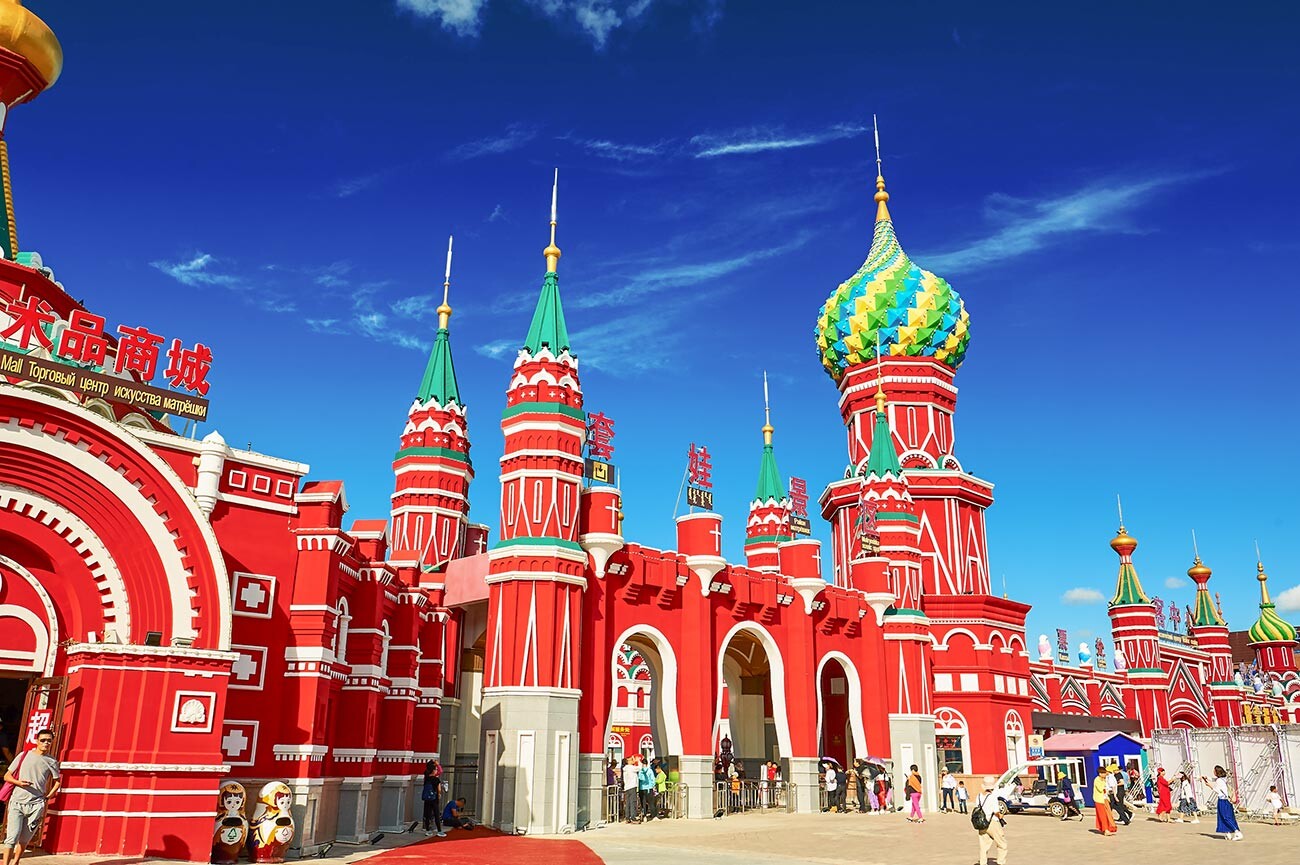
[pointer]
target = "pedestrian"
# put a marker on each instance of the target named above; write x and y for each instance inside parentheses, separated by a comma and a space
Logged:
(830, 786)
(914, 788)
(630, 790)
(1118, 801)
(661, 786)
(949, 786)
(1227, 825)
(1069, 797)
(1275, 804)
(962, 796)
(1101, 803)
(1186, 799)
(645, 785)
(1164, 805)
(35, 776)
(429, 795)
(987, 814)
(883, 795)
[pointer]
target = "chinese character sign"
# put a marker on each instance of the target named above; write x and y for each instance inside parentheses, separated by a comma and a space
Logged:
(868, 531)
(700, 467)
(1175, 617)
(1160, 612)
(1062, 646)
(600, 436)
(799, 497)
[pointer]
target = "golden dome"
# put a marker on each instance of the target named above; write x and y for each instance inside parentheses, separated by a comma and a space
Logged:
(1123, 542)
(28, 36)
(1198, 570)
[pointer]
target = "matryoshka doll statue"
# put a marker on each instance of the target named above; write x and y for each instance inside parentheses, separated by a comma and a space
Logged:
(231, 831)
(272, 823)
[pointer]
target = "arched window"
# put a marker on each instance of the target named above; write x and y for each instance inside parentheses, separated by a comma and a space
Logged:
(647, 746)
(1017, 747)
(341, 623)
(383, 650)
(952, 738)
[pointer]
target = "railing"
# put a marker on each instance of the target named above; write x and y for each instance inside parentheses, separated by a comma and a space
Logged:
(739, 796)
(462, 781)
(672, 804)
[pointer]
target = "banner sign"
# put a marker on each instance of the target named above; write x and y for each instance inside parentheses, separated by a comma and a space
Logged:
(98, 384)
(799, 523)
(87, 368)
(1159, 604)
(867, 528)
(600, 447)
(1062, 646)
(598, 471)
(699, 477)
(1035, 747)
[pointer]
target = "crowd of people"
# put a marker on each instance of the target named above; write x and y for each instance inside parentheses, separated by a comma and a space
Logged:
(643, 784)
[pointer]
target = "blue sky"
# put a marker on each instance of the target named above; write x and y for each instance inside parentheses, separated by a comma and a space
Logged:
(1112, 191)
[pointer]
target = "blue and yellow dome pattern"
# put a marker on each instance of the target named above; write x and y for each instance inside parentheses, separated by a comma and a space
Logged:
(910, 311)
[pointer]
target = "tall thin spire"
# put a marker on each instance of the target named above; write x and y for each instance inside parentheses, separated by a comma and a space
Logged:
(439, 381)
(769, 478)
(880, 380)
(1128, 588)
(1269, 627)
(768, 429)
(881, 196)
(552, 252)
(1205, 614)
(1119, 505)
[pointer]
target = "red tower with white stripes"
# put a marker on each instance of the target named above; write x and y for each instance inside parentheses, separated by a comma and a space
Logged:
(536, 579)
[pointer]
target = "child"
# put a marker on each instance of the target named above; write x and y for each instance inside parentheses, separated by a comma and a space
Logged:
(1275, 802)
(1186, 799)
(962, 796)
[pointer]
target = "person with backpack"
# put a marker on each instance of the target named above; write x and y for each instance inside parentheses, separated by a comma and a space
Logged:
(842, 788)
(913, 788)
(645, 782)
(430, 795)
(987, 821)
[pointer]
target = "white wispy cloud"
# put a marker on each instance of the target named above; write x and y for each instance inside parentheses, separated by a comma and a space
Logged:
(1175, 583)
(760, 140)
(1025, 226)
(516, 136)
(461, 17)
(621, 151)
(350, 186)
(204, 270)
(1289, 600)
(497, 214)
(656, 276)
(598, 19)
(1082, 597)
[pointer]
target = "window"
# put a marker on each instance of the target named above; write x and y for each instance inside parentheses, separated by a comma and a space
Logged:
(568, 501)
(943, 681)
(950, 753)
(537, 501)
(970, 681)
(911, 426)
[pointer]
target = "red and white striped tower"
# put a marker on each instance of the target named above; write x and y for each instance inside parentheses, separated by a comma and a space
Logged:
(430, 507)
(768, 525)
(1211, 633)
(536, 579)
(1274, 640)
(1133, 625)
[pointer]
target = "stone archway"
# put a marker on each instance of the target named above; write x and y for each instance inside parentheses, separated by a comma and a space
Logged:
(662, 717)
(840, 730)
(749, 655)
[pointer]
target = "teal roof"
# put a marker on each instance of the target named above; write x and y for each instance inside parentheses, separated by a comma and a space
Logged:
(883, 458)
(548, 327)
(439, 380)
(769, 479)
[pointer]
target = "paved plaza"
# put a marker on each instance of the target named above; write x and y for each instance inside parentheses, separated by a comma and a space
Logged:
(944, 839)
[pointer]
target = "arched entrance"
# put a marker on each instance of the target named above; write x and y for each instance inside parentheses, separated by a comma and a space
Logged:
(643, 703)
(751, 698)
(840, 732)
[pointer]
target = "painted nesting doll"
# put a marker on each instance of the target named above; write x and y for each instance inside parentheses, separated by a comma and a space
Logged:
(272, 828)
(231, 831)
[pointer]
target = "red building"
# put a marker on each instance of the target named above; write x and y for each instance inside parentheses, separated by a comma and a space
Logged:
(183, 613)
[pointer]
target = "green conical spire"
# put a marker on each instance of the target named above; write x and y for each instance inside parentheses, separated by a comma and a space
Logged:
(1128, 588)
(548, 327)
(884, 458)
(769, 479)
(439, 380)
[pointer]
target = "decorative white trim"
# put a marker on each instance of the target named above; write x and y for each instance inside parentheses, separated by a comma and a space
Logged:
(209, 710)
(131, 814)
(85, 766)
(311, 753)
(257, 504)
(523, 691)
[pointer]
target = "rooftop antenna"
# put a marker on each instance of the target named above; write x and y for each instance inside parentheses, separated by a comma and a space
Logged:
(552, 252)
(1119, 503)
(767, 414)
(1195, 551)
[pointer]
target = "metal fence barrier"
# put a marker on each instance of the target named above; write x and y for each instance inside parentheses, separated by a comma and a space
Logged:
(672, 804)
(740, 795)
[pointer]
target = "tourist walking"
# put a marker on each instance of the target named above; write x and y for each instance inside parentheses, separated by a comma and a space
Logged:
(1186, 799)
(949, 786)
(1101, 803)
(914, 788)
(830, 787)
(645, 784)
(842, 788)
(1069, 798)
(884, 793)
(661, 786)
(631, 792)
(35, 776)
(963, 795)
(1164, 796)
(1119, 800)
(1227, 825)
(430, 795)
(860, 783)
(1275, 805)
(988, 822)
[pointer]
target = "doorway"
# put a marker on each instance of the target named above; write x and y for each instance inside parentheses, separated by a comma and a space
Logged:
(13, 698)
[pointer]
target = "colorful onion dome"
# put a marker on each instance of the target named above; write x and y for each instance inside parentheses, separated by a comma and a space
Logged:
(1270, 627)
(31, 38)
(893, 304)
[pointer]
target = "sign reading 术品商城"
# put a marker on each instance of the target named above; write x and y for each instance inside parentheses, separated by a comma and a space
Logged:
(80, 360)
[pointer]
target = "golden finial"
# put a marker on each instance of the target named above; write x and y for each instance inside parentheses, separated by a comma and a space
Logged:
(552, 252)
(444, 311)
(1261, 576)
(768, 429)
(882, 211)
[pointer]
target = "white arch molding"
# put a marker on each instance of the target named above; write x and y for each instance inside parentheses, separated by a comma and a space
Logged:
(776, 679)
(42, 660)
(155, 525)
(953, 723)
(855, 701)
(667, 685)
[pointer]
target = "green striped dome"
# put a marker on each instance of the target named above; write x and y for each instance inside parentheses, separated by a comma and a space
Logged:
(891, 302)
(1270, 627)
